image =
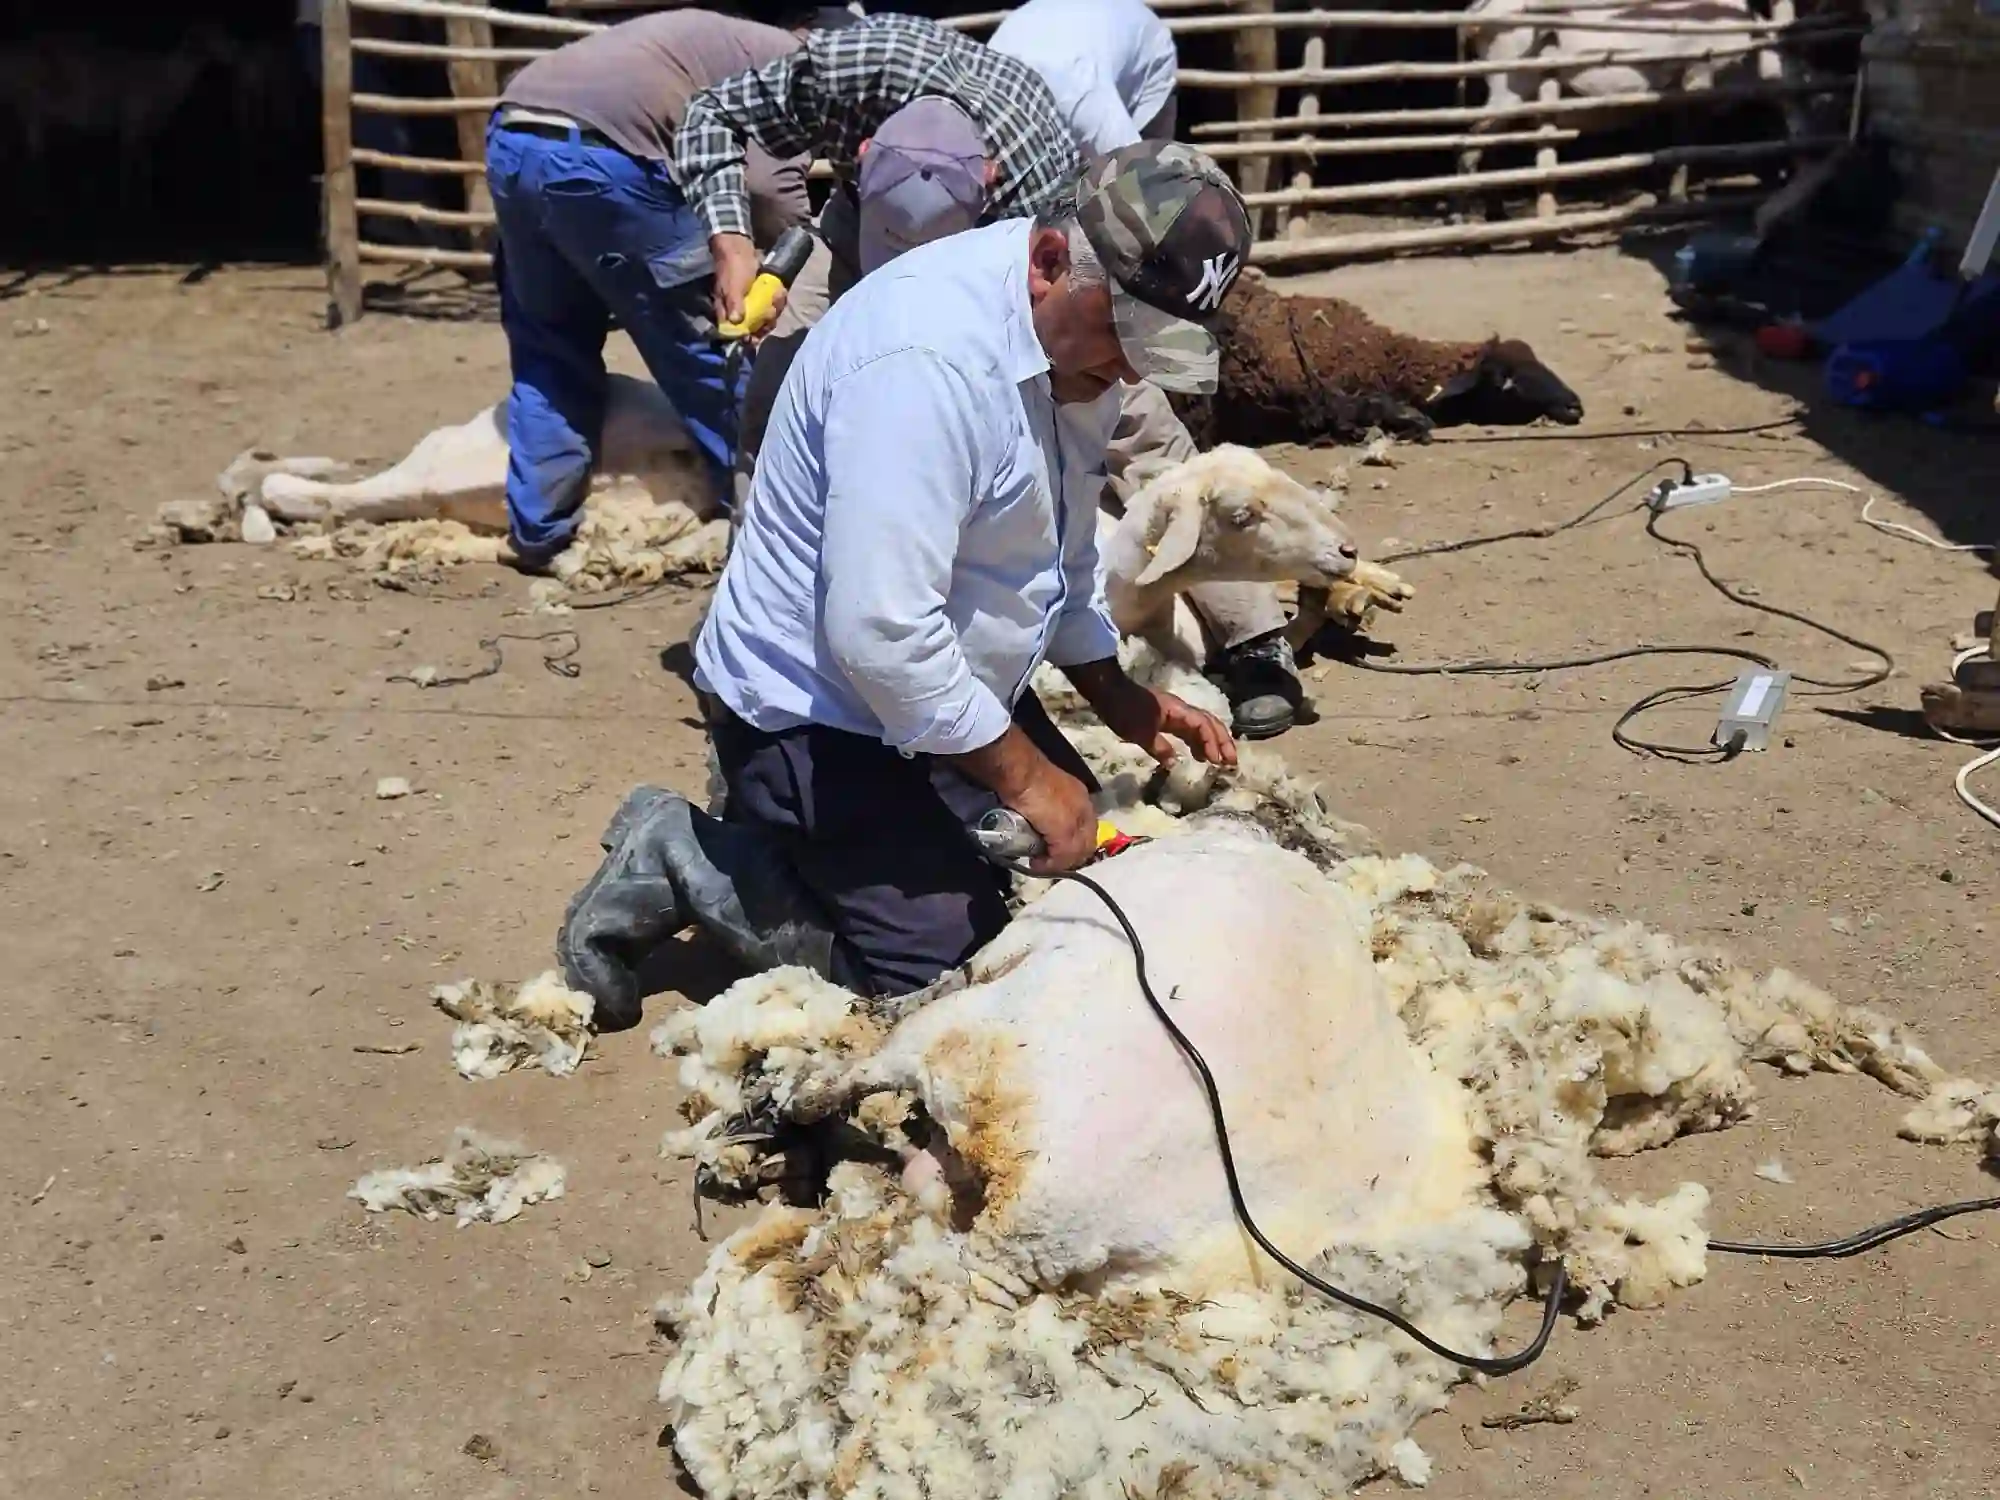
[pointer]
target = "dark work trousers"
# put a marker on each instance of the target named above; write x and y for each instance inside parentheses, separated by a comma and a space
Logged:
(881, 839)
(588, 232)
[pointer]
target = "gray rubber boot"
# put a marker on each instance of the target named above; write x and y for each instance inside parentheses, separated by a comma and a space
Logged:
(667, 865)
(1263, 686)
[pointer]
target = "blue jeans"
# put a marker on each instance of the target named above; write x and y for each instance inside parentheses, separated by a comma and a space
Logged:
(589, 233)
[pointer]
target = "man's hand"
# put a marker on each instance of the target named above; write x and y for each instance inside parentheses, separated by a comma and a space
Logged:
(1059, 807)
(1055, 802)
(735, 257)
(1149, 719)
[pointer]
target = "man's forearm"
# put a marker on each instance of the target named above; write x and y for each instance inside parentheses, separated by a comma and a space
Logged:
(1102, 682)
(1007, 767)
(710, 161)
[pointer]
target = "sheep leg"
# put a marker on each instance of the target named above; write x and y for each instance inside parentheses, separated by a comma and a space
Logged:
(244, 479)
(1371, 587)
(454, 473)
(1308, 619)
(1349, 604)
(1396, 417)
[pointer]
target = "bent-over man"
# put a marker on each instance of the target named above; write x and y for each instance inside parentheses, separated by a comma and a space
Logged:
(1110, 63)
(931, 132)
(593, 227)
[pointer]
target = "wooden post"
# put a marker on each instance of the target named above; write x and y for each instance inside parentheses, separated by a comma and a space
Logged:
(473, 79)
(336, 123)
(1256, 49)
(1315, 57)
(1549, 91)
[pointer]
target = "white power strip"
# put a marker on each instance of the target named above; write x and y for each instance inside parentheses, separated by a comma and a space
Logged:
(1702, 489)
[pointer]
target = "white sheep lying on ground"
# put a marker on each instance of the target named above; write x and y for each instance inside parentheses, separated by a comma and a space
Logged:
(1026, 1283)
(459, 472)
(650, 514)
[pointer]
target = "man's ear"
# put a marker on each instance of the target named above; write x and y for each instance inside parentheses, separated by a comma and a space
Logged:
(992, 174)
(862, 149)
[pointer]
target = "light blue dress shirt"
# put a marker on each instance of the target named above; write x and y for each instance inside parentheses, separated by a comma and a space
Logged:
(920, 533)
(1110, 63)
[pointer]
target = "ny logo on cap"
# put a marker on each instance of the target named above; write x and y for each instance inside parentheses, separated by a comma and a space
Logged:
(1217, 272)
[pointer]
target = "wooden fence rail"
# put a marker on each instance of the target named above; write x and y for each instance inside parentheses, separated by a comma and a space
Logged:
(481, 44)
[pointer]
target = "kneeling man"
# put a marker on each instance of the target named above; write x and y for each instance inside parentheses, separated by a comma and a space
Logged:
(919, 537)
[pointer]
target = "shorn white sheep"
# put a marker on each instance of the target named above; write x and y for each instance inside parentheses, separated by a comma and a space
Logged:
(650, 515)
(1025, 1281)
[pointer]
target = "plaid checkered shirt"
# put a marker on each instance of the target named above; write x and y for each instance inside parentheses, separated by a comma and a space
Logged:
(837, 89)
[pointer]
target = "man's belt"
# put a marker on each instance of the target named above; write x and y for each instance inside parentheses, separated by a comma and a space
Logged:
(550, 125)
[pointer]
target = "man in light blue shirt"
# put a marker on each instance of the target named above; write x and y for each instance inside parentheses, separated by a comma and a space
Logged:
(1110, 63)
(918, 538)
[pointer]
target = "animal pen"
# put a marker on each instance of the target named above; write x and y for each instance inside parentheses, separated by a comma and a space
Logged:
(1272, 91)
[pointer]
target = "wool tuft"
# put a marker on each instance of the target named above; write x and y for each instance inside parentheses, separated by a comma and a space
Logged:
(542, 1023)
(481, 1179)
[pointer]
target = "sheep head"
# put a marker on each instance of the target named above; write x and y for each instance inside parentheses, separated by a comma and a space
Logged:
(1503, 385)
(1228, 516)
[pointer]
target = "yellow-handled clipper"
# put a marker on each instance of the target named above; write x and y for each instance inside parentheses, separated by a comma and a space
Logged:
(776, 272)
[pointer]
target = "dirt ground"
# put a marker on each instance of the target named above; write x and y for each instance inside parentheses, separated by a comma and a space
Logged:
(207, 912)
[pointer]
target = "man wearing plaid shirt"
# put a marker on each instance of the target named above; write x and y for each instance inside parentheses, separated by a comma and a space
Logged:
(933, 133)
(833, 95)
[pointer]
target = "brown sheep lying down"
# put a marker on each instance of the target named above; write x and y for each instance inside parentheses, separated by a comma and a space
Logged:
(1317, 370)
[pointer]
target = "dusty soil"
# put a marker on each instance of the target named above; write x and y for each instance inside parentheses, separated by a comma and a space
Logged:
(207, 912)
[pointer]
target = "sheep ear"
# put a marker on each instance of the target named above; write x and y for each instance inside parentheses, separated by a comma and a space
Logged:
(1140, 472)
(1458, 385)
(1177, 543)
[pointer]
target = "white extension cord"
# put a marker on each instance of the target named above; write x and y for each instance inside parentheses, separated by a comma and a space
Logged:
(1711, 489)
(1962, 782)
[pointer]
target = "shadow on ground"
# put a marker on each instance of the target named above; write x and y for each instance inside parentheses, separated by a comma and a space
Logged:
(1949, 470)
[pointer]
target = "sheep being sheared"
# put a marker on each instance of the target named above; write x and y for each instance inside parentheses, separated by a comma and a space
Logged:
(650, 512)
(1224, 516)
(1317, 370)
(459, 473)
(1022, 1276)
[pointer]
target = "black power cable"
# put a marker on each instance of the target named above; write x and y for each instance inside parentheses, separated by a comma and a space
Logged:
(1861, 1239)
(1565, 435)
(561, 662)
(1485, 1364)
(1853, 1244)
(1490, 667)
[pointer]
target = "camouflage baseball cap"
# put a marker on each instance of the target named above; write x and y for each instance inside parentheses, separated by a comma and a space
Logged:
(1173, 233)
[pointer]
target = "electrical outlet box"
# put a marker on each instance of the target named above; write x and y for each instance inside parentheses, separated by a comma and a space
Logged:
(1753, 707)
(1702, 489)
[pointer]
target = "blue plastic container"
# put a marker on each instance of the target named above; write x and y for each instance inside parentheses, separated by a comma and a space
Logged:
(1895, 374)
(1711, 262)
